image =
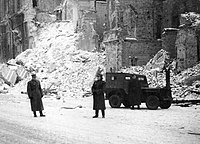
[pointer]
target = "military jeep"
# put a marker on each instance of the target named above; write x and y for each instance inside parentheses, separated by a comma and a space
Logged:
(132, 89)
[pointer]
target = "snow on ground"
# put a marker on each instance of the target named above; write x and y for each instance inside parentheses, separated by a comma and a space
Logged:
(68, 124)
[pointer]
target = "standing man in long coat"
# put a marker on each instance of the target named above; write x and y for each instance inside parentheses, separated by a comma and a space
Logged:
(98, 89)
(35, 94)
(134, 91)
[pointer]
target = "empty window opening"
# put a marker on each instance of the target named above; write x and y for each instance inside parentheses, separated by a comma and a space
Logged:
(35, 3)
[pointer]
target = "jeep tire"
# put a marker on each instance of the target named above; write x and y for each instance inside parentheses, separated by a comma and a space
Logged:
(152, 102)
(115, 101)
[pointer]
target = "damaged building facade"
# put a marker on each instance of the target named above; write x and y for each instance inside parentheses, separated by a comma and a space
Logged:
(20, 20)
(18, 24)
(88, 17)
(181, 22)
(137, 29)
(13, 29)
(134, 32)
(130, 31)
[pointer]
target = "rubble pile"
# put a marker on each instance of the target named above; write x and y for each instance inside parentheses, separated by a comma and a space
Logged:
(185, 85)
(61, 68)
(191, 18)
(153, 69)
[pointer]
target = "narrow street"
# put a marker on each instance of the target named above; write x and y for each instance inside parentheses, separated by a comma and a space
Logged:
(71, 122)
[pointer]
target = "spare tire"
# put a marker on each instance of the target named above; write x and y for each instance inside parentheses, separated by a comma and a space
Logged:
(152, 102)
(115, 101)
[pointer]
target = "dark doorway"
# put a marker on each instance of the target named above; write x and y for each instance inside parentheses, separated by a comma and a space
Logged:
(35, 3)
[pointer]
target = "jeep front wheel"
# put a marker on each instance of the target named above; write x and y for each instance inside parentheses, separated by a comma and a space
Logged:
(152, 102)
(115, 101)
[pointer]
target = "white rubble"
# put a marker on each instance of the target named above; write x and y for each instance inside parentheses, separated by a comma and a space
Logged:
(59, 65)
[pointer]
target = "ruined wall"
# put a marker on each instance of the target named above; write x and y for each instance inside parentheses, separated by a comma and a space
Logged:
(137, 18)
(101, 11)
(119, 50)
(139, 25)
(143, 50)
(14, 31)
(174, 8)
(9, 7)
(168, 41)
(114, 60)
(113, 45)
(48, 5)
(186, 45)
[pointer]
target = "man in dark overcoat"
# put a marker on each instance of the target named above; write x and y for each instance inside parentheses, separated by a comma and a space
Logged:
(134, 91)
(98, 89)
(35, 94)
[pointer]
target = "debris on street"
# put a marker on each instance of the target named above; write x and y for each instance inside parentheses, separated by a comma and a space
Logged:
(62, 69)
(183, 84)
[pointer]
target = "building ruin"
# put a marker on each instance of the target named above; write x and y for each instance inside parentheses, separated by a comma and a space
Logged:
(130, 31)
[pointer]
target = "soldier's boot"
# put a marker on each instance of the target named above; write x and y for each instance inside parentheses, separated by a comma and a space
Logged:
(96, 114)
(103, 113)
(138, 106)
(34, 113)
(132, 107)
(41, 114)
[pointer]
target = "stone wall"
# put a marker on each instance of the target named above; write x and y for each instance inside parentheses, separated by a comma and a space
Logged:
(15, 20)
(120, 52)
(186, 45)
(139, 25)
(48, 5)
(136, 18)
(101, 11)
(114, 59)
(143, 50)
(172, 9)
(168, 41)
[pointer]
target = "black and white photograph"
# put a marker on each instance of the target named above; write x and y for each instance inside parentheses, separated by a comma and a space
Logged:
(99, 71)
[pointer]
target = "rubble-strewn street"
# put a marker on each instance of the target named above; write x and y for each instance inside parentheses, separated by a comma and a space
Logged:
(182, 83)
(59, 65)
(71, 122)
(71, 55)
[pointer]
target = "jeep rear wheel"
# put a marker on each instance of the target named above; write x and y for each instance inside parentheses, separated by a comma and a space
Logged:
(115, 101)
(152, 102)
(165, 104)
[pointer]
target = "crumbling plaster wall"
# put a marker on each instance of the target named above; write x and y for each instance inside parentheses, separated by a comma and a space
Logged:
(15, 19)
(172, 9)
(136, 18)
(186, 45)
(34, 16)
(144, 50)
(187, 42)
(101, 12)
(82, 14)
(29, 16)
(48, 5)
(169, 36)
(114, 60)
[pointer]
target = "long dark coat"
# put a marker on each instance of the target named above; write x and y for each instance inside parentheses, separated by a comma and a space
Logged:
(98, 95)
(134, 93)
(35, 94)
